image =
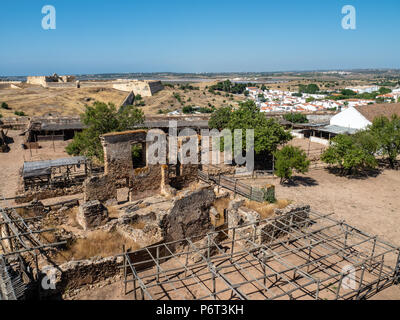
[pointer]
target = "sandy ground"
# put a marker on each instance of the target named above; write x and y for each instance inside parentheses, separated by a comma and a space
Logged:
(12, 162)
(371, 204)
(37, 101)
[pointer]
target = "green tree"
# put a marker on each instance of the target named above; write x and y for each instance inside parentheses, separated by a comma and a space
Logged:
(310, 89)
(99, 119)
(188, 110)
(351, 154)
(289, 160)
(310, 99)
(384, 90)
(5, 106)
(387, 133)
(220, 118)
(268, 133)
(295, 117)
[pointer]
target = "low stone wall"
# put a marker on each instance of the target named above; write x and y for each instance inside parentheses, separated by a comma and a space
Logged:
(100, 188)
(264, 231)
(293, 216)
(47, 194)
(77, 274)
(147, 179)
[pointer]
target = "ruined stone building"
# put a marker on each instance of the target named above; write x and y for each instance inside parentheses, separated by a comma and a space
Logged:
(44, 80)
(144, 88)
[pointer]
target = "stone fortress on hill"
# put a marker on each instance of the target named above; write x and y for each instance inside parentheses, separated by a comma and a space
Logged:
(145, 88)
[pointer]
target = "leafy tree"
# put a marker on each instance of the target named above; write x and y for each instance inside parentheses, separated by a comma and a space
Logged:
(310, 89)
(384, 90)
(99, 119)
(220, 118)
(295, 117)
(268, 133)
(387, 134)
(348, 93)
(351, 154)
(288, 160)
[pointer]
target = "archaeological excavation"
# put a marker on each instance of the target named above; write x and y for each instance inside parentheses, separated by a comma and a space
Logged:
(135, 230)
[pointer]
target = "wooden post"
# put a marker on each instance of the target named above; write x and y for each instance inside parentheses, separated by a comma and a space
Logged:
(124, 262)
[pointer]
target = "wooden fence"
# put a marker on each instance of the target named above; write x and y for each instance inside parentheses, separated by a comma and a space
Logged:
(233, 185)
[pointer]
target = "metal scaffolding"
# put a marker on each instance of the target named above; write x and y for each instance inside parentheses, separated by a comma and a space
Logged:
(17, 237)
(309, 256)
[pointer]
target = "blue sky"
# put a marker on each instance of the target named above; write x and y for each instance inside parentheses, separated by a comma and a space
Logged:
(104, 36)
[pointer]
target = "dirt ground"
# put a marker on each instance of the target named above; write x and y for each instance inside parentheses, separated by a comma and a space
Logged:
(37, 101)
(12, 162)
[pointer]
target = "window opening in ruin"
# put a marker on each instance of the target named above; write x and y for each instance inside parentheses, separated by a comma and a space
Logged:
(138, 155)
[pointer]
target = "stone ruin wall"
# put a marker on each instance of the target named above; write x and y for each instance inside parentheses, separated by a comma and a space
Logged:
(46, 193)
(263, 231)
(43, 80)
(144, 88)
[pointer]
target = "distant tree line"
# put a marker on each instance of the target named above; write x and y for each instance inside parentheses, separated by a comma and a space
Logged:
(228, 86)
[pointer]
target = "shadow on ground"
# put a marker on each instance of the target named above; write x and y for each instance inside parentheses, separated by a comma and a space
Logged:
(301, 181)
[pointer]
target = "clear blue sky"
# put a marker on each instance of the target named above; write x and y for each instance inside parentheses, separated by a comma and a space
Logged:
(104, 36)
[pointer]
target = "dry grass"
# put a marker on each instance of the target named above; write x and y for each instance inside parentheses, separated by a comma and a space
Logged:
(138, 225)
(266, 210)
(99, 243)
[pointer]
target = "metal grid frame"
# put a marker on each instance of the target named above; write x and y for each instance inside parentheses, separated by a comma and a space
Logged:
(310, 260)
(21, 239)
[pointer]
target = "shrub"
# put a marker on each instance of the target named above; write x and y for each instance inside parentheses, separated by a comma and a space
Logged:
(295, 118)
(351, 154)
(5, 106)
(387, 134)
(288, 160)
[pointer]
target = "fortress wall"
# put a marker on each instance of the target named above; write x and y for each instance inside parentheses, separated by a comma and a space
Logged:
(144, 88)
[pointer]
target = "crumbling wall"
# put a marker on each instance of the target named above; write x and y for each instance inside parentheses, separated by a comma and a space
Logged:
(46, 193)
(77, 274)
(147, 179)
(259, 230)
(92, 214)
(190, 216)
(118, 154)
(100, 188)
(293, 216)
